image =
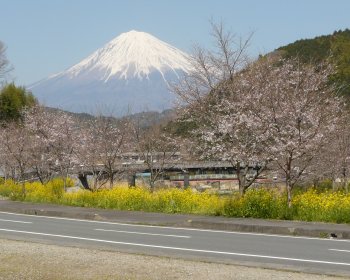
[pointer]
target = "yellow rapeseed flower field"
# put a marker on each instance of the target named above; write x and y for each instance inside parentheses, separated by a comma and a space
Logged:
(310, 205)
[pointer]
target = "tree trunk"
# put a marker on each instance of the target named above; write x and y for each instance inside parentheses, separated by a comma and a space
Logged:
(23, 189)
(243, 182)
(38, 173)
(151, 182)
(289, 189)
(345, 180)
(96, 182)
(334, 187)
(289, 195)
(111, 180)
(23, 183)
(346, 185)
(241, 179)
(241, 185)
(289, 184)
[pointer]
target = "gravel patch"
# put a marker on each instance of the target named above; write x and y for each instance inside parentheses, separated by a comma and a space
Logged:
(26, 260)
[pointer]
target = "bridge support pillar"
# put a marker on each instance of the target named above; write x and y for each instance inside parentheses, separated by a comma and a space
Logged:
(84, 181)
(132, 180)
(186, 179)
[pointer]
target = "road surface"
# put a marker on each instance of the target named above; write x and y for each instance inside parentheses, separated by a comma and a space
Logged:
(328, 256)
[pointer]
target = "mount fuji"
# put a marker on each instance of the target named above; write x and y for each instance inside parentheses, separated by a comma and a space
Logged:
(131, 72)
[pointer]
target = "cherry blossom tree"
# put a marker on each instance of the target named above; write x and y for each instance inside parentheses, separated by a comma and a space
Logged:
(253, 113)
(280, 110)
(88, 155)
(333, 161)
(106, 141)
(158, 149)
(42, 162)
(220, 96)
(303, 112)
(341, 155)
(15, 150)
(55, 144)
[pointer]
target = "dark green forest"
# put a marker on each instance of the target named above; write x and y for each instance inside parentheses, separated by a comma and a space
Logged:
(334, 48)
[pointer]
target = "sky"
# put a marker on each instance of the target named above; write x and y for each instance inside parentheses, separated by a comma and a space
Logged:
(44, 37)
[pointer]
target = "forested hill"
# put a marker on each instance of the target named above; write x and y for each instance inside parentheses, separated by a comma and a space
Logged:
(334, 47)
(144, 119)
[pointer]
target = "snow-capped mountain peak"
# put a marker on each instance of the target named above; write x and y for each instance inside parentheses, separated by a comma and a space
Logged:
(131, 54)
(132, 70)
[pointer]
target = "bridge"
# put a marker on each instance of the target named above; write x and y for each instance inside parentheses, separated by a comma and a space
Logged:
(180, 172)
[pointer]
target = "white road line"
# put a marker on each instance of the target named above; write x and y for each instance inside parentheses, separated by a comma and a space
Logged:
(180, 228)
(347, 251)
(144, 233)
(13, 221)
(177, 248)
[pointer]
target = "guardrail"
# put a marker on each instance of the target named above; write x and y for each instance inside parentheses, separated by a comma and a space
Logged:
(204, 177)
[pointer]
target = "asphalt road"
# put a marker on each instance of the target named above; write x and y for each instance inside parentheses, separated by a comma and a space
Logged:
(326, 256)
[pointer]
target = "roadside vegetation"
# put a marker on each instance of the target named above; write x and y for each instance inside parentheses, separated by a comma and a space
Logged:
(313, 204)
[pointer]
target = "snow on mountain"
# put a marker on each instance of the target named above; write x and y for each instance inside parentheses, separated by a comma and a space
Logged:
(133, 71)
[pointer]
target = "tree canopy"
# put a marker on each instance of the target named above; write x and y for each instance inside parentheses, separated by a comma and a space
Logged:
(13, 100)
(334, 48)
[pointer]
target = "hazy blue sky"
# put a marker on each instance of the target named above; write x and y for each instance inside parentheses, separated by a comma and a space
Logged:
(47, 36)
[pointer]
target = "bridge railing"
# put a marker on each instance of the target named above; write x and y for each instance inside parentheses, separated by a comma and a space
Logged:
(204, 177)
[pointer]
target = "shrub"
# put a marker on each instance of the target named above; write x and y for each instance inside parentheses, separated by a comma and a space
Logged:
(325, 185)
(258, 203)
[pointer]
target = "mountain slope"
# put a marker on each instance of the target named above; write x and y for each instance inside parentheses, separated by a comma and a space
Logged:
(131, 72)
(142, 120)
(334, 48)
